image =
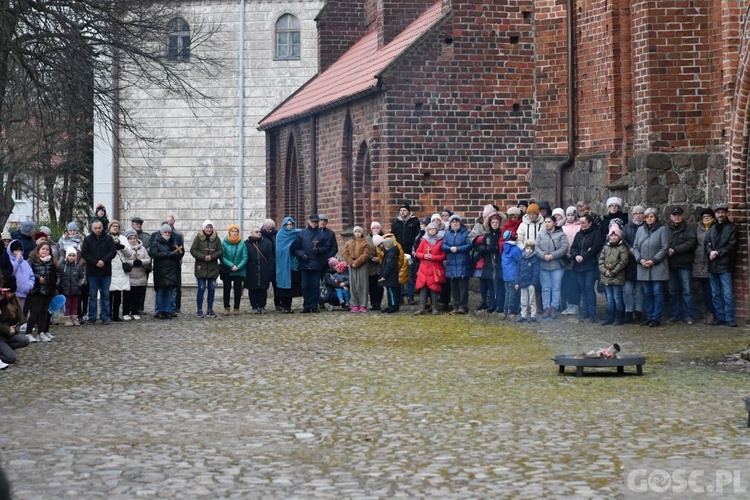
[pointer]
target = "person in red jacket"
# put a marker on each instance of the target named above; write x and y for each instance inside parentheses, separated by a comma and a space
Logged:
(431, 273)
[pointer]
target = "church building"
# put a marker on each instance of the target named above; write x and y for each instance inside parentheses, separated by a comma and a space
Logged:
(460, 103)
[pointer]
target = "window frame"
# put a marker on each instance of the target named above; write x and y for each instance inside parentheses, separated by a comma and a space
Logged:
(284, 36)
(178, 40)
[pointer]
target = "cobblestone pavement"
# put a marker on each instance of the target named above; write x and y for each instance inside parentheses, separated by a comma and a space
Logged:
(340, 405)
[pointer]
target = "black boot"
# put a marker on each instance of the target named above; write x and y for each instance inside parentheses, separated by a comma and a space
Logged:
(610, 318)
(627, 318)
(618, 318)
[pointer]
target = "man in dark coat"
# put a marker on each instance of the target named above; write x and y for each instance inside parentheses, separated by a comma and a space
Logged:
(721, 247)
(682, 243)
(25, 234)
(406, 229)
(311, 248)
(97, 251)
(329, 235)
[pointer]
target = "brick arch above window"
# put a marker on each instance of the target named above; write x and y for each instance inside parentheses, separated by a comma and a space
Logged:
(288, 38)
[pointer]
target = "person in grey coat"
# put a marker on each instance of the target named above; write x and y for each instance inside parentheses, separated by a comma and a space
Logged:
(551, 248)
(650, 250)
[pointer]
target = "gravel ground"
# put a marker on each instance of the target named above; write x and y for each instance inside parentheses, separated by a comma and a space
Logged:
(342, 405)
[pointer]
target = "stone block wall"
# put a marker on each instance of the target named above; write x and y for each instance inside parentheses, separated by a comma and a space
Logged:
(192, 168)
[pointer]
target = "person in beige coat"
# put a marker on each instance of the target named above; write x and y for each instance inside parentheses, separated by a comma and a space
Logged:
(140, 260)
(357, 253)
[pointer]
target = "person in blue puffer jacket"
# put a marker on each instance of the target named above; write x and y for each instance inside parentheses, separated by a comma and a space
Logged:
(458, 268)
(511, 258)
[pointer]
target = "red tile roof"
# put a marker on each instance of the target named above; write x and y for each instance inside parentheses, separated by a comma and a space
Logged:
(354, 73)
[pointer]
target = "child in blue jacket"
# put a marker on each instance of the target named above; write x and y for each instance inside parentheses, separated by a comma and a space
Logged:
(511, 258)
(527, 282)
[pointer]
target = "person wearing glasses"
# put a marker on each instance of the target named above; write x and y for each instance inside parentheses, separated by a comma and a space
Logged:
(165, 256)
(651, 249)
(700, 263)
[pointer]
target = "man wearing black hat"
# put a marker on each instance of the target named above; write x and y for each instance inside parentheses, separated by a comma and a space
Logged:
(311, 250)
(721, 247)
(681, 253)
(406, 228)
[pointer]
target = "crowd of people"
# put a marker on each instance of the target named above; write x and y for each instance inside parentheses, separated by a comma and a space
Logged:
(532, 263)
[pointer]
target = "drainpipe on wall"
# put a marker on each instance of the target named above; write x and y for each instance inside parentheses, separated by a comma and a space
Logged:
(241, 120)
(314, 166)
(568, 162)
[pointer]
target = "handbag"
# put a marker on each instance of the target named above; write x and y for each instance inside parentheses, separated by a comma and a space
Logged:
(127, 267)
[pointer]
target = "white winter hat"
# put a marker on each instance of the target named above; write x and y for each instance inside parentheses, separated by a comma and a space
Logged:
(71, 251)
(558, 211)
(377, 240)
(207, 222)
(614, 200)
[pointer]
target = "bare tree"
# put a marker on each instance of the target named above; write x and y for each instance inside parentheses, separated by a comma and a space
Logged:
(64, 63)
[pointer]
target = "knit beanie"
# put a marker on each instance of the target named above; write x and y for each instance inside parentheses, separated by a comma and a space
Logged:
(358, 228)
(638, 209)
(436, 216)
(514, 211)
(614, 200)
(129, 232)
(454, 217)
(533, 209)
(6, 236)
(571, 210)
(432, 225)
(39, 235)
(488, 210)
(558, 211)
(615, 229)
(377, 240)
(46, 230)
(71, 251)
(72, 226)
(207, 222)
(9, 282)
(27, 227)
(333, 262)
(529, 244)
(165, 227)
(508, 235)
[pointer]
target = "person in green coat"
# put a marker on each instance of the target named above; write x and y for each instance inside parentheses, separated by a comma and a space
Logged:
(206, 250)
(233, 263)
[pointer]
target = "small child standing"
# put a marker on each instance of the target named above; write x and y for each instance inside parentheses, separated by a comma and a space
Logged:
(341, 279)
(511, 258)
(389, 273)
(612, 263)
(528, 278)
(70, 277)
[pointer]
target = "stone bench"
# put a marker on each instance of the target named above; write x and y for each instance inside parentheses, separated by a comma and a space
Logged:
(624, 360)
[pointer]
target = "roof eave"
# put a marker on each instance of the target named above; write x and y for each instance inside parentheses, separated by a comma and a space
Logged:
(325, 107)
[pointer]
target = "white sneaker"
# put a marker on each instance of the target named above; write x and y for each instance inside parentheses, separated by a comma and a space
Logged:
(22, 328)
(31, 338)
(136, 317)
(49, 335)
(44, 338)
(3, 365)
(127, 317)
